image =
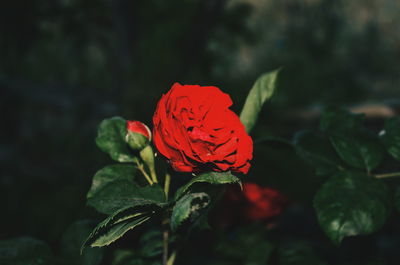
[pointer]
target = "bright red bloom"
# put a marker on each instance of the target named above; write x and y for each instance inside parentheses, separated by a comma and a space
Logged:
(262, 202)
(196, 131)
(139, 127)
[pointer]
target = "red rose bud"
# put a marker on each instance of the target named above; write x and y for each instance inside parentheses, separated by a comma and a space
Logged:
(196, 131)
(138, 135)
(262, 202)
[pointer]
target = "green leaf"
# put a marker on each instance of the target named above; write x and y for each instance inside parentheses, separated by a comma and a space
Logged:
(127, 257)
(340, 121)
(361, 151)
(262, 90)
(317, 151)
(117, 224)
(111, 139)
(73, 239)
(188, 206)
(24, 251)
(351, 203)
(355, 145)
(259, 254)
(216, 178)
(121, 194)
(391, 137)
(246, 245)
(151, 244)
(113, 188)
(298, 253)
(110, 174)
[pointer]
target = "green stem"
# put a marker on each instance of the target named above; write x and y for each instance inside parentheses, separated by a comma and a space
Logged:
(147, 156)
(388, 175)
(167, 182)
(144, 173)
(165, 225)
(153, 174)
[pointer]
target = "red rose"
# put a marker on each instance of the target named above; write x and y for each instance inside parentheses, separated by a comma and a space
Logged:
(262, 202)
(195, 130)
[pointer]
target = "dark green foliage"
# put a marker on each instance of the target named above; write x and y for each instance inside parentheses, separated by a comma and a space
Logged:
(391, 137)
(357, 147)
(351, 204)
(25, 251)
(72, 241)
(111, 139)
(120, 222)
(262, 90)
(298, 253)
(187, 207)
(113, 188)
(317, 151)
(247, 245)
(215, 178)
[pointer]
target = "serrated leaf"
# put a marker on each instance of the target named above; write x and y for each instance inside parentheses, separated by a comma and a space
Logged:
(117, 224)
(391, 137)
(216, 178)
(72, 241)
(298, 253)
(111, 139)
(24, 251)
(113, 188)
(317, 151)
(187, 206)
(350, 204)
(261, 91)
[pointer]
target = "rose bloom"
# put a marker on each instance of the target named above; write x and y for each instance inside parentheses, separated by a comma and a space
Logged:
(196, 131)
(254, 203)
(262, 202)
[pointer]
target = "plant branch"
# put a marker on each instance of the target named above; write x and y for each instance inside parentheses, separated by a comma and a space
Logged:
(143, 171)
(388, 175)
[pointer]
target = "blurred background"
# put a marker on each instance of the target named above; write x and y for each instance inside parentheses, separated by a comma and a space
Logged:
(65, 65)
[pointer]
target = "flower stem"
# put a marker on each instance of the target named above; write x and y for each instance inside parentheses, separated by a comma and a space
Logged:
(165, 225)
(388, 175)
(141, 169)
(167, 182)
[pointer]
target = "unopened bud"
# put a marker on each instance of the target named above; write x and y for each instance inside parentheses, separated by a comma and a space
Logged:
(138, 135)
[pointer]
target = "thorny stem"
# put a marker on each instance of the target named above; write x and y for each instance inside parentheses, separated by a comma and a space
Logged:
(389, 175)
